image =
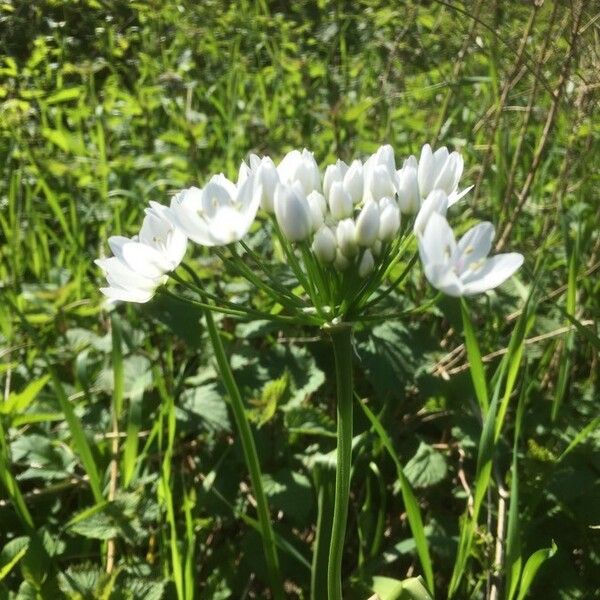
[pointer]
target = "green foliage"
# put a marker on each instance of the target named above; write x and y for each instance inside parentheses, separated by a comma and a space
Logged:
(115, 428)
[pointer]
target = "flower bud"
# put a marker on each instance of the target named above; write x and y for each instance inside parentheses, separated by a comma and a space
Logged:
(292, 212)
(381, 183)
(436, 202)
(333, 173)
(389, 219)
(318, 208)
(341, 263)
(367, 224)
(408, 187)
(300, 167)
(354, 181)
(346, 237)
(367, 264)
(324, 245)
(267, 177)
(340, 202)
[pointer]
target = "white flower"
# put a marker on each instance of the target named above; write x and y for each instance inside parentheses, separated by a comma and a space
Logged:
(367, 224)
(440, 170)
(301, 167)
(409, 199)
(367, 264)
(389, 219)
(380, 175)
(293, 212)
(140, 264)
(463, 269)
(340, 201)
(436, 202)
(324, 245)
(219, 214)
(346, 237)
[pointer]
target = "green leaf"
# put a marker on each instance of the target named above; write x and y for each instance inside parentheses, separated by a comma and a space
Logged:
(18, 402)
(388, 588)
(426, 468)
(206, 405)
(475, 363)
(534, 562)
(11, 554)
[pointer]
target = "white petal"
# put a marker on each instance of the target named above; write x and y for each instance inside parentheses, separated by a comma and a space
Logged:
(437, 243)
(120, 275)
(473, 246)
(494, 271)
(426, 171)
(139, 296)
(444, 279)
(455, 196)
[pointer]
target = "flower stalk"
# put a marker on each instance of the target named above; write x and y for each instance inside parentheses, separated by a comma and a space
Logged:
(341, 337)
(251, 457)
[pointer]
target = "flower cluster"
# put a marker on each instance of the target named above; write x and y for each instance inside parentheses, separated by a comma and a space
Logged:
(348, 221)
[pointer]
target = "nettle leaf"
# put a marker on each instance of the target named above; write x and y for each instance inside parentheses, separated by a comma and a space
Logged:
(389, 354)
(204, 404)
(181, 318)
(253, 370)
(83, 581)
(426, 468)
(122, 518)
(44, 458)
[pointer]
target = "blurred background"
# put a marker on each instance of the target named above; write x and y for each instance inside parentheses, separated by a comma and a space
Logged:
(106, 105)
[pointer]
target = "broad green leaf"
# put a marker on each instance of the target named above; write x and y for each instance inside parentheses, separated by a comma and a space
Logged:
(426, 468)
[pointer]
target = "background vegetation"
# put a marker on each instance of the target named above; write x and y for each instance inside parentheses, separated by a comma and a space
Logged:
(117, 449)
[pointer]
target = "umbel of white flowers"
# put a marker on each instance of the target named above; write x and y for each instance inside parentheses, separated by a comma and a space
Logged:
(345, 217)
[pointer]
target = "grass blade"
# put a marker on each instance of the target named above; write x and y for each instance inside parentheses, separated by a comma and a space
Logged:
(410, 502)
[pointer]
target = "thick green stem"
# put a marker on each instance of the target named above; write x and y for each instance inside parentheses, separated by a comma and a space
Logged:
(251, 457)
(341, 336)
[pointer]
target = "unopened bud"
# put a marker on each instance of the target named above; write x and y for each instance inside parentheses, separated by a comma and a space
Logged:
(367, 264)
(340, 202)
(367, 224)
(324, 245)
(292, 212)
(346, 238)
